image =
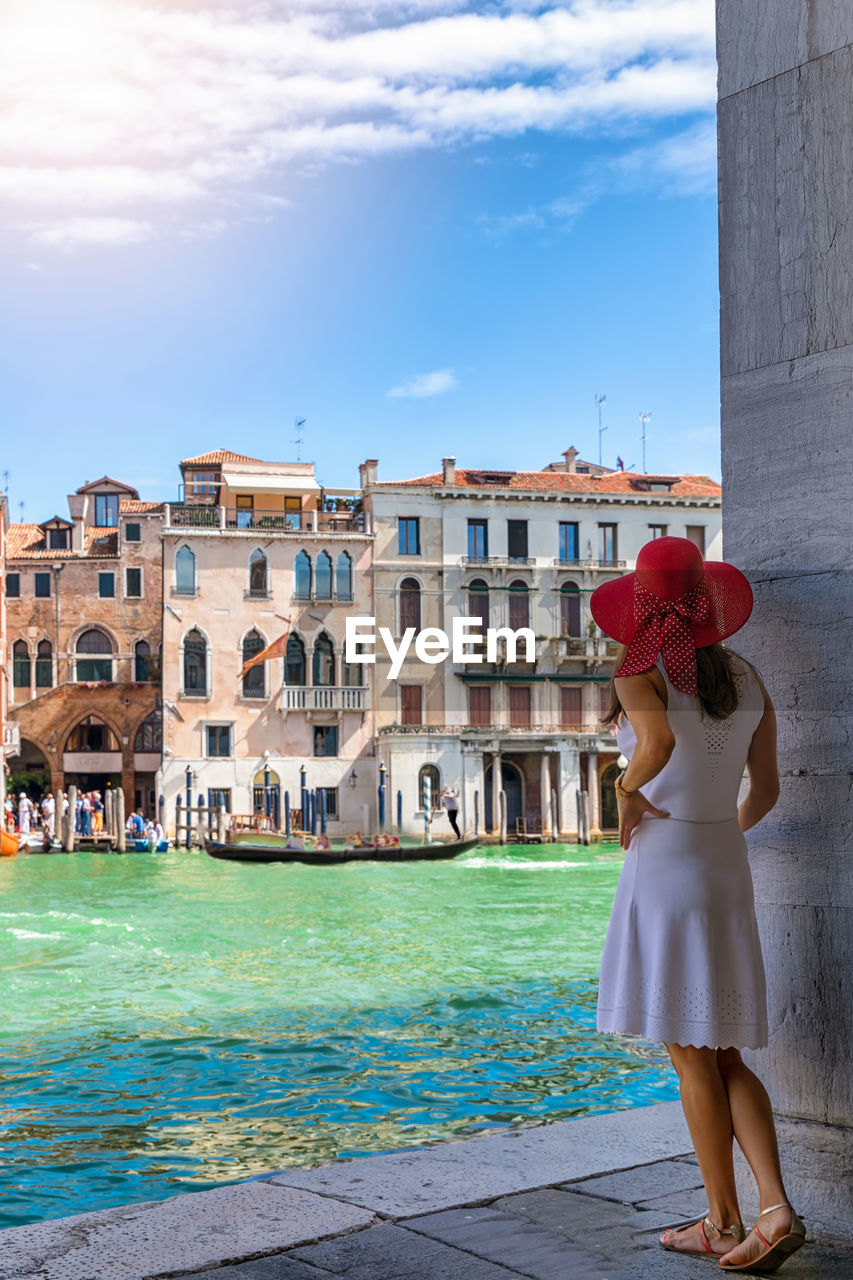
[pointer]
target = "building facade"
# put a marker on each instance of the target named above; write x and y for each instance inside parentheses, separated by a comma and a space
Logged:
(513, 550)
(83, 600)
(259, 554)
(9, 733)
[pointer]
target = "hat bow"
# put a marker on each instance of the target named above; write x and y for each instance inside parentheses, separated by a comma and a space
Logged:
(666, 627)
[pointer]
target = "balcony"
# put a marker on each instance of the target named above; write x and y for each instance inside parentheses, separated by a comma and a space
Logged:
(497, 561)
(195, 693)
(559, 563)
(325, 698)
(184, 515)
(589, 647)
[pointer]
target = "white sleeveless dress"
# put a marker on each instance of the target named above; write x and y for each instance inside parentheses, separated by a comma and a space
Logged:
(682, 961)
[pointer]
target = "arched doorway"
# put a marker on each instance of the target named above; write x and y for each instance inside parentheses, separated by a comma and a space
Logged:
(609, 810)
(259, 794)
(513, 785)
(28, 771)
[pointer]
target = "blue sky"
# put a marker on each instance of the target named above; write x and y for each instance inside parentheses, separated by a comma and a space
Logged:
(428, 227)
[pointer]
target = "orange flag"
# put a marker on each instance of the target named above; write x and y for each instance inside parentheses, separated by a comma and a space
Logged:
(274, 650)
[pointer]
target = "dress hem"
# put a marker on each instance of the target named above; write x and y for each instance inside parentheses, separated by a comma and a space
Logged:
(700, 1035)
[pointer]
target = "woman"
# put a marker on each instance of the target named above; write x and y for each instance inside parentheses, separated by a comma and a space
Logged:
(682, 961)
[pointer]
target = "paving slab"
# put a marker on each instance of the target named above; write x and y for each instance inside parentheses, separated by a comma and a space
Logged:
(474, 1170)
(533, 1249)
(185, 1233)
(389, 1252)
(645, 1182)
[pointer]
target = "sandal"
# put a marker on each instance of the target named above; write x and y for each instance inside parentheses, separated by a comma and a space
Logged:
(775, 1251)
(736, 1230)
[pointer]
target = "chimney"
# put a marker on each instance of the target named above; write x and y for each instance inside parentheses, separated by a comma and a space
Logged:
(448, 467)
(570, 454)
(78, 508)
(367, 472)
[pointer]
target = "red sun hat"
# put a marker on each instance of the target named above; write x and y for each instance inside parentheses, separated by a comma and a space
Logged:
(673, 604)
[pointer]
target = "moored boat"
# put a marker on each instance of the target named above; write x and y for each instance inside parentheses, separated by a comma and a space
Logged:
(434, 851)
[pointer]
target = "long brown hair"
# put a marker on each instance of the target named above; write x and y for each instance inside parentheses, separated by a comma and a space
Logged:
(718, 695)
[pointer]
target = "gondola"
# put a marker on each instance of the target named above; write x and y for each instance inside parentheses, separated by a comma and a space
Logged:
(432, 852)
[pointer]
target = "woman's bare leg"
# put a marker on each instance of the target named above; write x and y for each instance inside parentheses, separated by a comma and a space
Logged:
(706, 1109)
(752, 1119)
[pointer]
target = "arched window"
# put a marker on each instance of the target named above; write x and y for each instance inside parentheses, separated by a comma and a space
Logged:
(149, 735)
(570, 609)
(352, 675)
(185, 572)
(323, 577)
(195, 665)
(519, 605)
(98, 666)
(254, 681)
(478, 601)
(258, 574)
(302, 571)
(410, 604)
(142, 660)
(294, 661)
(428, 773)
(21, 664)
(44, 665)
(90, 735)
(324, 660)
(343, 577)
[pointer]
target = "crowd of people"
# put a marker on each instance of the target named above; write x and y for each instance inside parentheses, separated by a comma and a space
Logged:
(24, 815)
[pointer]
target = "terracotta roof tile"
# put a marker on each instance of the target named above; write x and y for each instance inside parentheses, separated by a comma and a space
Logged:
(217, 456)
(131, 507)
(686, 486)
(26, 542)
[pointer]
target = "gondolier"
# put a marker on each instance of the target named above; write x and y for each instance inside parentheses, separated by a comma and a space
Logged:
(450, 803)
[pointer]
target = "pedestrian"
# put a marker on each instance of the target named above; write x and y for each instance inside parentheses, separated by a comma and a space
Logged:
(48, 809)
(682, 961)
(450, 803)
(24, 811)
(86, 814)
(97, 812)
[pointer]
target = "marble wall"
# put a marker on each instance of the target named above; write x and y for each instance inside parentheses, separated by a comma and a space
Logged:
(785, 130)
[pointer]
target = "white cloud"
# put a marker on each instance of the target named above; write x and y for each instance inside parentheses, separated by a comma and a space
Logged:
(117, 104)
(426, 384)
(66, 233)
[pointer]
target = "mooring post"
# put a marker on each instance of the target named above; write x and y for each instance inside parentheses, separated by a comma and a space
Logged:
(502, 802)
(121, 835)
(287, 813)
(70, 831)
(399, 811)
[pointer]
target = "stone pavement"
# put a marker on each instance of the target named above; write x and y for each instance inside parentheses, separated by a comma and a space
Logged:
(570, 1200)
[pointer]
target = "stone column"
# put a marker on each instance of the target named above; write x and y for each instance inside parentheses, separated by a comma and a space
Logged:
(497, 784)
(785, 123)
(545, 792)
(594, 795)
(568, 785)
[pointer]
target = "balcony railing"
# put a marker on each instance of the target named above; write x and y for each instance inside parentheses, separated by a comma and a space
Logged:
(195, 693)
(589, 563)
(497, 561)
(184, 515)
(325, 698)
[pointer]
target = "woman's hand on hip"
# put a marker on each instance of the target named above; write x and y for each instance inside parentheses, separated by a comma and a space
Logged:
(631, 809)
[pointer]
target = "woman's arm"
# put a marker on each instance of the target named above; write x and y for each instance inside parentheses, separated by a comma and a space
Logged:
(762, 768)
(655, 743)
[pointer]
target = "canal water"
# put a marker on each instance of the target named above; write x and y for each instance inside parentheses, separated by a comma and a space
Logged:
(172, 1023)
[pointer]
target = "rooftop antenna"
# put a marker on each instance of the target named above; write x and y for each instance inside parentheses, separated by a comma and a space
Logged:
(21, 505)
(6, 483)
(600, 400)
(299, 423)
(644, 417)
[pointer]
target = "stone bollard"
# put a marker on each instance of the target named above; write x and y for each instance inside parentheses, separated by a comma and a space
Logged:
(109, 812)
(121, 835)
(68, 832)
(58, 828)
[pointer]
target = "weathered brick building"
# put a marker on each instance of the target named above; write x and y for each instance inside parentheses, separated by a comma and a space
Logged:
(83, 636)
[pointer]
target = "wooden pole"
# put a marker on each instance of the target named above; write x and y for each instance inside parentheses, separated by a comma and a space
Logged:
(109, 811)
(58, 828)
(220, 824)
(69, 833)
(502, 800)
(200, 824)
(121, 834)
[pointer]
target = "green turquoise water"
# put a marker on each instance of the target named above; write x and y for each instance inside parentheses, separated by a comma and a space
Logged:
(173, 1023)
